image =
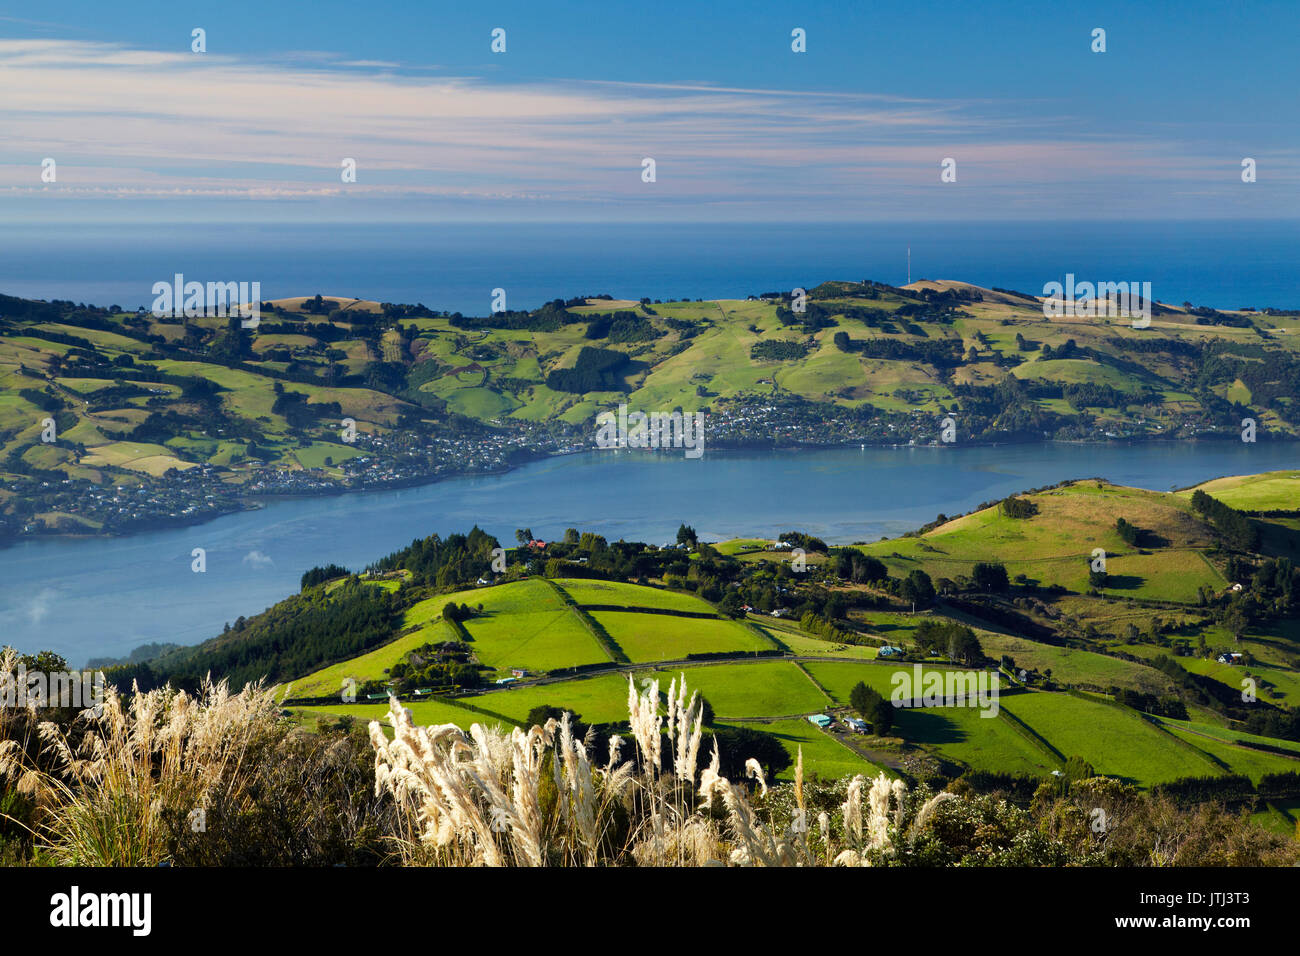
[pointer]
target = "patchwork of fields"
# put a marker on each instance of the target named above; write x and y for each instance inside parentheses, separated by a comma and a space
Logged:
(528, 624)
(1095, 638)
(872, 345)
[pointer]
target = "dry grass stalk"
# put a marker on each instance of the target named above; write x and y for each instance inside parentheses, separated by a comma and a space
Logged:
(114, 785)
(486, 797)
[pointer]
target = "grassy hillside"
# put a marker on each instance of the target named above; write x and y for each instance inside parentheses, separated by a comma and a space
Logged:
(528, 624)
(1128, 669)
(1272, 491)
(1142, 641)
(136, 398)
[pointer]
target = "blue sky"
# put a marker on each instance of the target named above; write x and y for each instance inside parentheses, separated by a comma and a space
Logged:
(740, 127)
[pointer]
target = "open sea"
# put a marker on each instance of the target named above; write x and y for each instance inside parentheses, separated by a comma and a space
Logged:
(455, 266)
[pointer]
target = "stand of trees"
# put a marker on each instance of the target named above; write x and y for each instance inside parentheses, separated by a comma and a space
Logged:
(433, 666)
(917, 588)
(1014, 507)
(956, 641)
(1150, 703)
(595, 370)
(1238, 531)
(779, 349)
(820, 627)
(872, 707)
(941, 353)
(851, 565)
(1127, 531)
(319, 575)
(797, 539)
(457, 559)
(990, 577)
(621, 327)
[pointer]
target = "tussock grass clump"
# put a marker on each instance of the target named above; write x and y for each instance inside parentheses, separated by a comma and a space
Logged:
(162, 777)
(534, 798)
(117, 780)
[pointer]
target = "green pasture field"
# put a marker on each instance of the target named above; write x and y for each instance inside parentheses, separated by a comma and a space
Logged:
(1280, 816)
(963, 735)
(373, 665)
(1243, 760)
(523, 624)
(600, 699)
(1274, 684)
(586, 591)
(766, 688)
(665, 637)
(1074, 665)
(1116, 742)
(736, 546)
(425, 713)
(840, 677)
(1055, 546)
(810, 646)
(536, 641)
(1271, 491)
(313, 455)
(823, 755)
(137, 456)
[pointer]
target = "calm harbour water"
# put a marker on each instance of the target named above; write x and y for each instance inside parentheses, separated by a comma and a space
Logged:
(104, 596)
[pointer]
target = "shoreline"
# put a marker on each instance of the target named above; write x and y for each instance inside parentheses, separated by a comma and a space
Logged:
(258, 502)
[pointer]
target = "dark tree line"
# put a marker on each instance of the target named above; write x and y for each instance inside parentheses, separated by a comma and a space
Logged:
(949, 639)
(1237, 530)
(292, 638)
(872, 707)
(778, 350)
(444, 562)
(595, 370)
(319, 575)
(1014, 507)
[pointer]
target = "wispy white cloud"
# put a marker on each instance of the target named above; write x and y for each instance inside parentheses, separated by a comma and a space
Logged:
(126, 123)
(258, 559)
(39, 606)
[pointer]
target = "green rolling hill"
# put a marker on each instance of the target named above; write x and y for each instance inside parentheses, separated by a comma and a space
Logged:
(137, 398)
(1119, 671)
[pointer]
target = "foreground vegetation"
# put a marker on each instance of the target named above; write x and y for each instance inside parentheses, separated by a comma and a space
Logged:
(224, 780)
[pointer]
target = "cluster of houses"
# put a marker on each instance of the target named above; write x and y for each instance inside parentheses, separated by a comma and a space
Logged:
(826, 722)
